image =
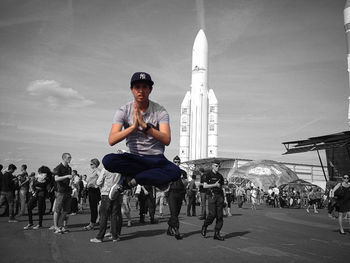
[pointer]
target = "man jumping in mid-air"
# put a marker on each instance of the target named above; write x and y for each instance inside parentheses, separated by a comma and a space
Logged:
(147, 132)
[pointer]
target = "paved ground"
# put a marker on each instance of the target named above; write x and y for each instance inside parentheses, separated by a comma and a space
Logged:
(264, 235)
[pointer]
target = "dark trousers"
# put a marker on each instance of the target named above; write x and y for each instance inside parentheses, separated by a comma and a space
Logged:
(94, 198)
(33, 201)
(174, 202)
(215, 209)
(113, 208)
(203, 204)
(147, 203)
(153, 170)
(9, 197)
(52, 196)
(191, 204)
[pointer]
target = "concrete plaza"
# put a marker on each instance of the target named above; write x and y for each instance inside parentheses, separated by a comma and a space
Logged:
(263, 235)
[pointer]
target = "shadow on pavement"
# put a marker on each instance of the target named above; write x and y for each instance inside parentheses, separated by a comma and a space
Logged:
(188, 234)
(236, 234)
(145, 233)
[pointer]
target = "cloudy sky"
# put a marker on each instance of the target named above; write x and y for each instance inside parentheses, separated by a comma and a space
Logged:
(278, 69)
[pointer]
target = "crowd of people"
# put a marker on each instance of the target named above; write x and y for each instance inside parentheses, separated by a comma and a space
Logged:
(22, 192)
(72, 193)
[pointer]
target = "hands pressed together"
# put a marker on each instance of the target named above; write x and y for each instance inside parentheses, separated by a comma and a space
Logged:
(137, 118)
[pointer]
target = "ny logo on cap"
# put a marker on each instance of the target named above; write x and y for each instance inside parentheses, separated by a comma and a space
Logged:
(142, 76)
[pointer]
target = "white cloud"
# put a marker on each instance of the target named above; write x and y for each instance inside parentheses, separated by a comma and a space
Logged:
(57, 96)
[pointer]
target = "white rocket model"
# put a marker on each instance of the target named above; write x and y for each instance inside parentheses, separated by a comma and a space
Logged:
(198, 129)
(347, 31)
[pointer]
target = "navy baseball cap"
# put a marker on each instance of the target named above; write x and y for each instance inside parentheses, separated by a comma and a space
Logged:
(141, 77)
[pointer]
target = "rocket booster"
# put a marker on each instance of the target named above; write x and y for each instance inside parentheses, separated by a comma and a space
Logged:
(194, 137)
(347, 32)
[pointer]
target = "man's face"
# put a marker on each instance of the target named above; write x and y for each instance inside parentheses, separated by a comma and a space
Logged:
(67, 158)
(177, 162)
(215, 167)
(141, 91)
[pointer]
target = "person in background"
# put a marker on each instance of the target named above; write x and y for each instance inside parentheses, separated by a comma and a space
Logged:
(109, 207)
(343, 201)
(62, 205)
(23, 184)
(7, 191)
(276, 196)
(85, 191)
(160, 196)
(228, 198)
(75, 196)
(253, 193)
(312, 200)
(52, 193)
(126, 207)
(214, 182)
(240, 195)
(147, 203)
(176, 193)
(80, 187)
(39, 186)
(93, 193)
(203, 195)
(191, 193)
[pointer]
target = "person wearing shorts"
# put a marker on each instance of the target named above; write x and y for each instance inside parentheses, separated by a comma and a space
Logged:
(62, 206)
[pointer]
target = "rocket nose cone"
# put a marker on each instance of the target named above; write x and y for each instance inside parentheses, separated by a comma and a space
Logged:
(201, 40)
(347, 4)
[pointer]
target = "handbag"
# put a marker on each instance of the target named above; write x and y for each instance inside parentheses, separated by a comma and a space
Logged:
(339, 193)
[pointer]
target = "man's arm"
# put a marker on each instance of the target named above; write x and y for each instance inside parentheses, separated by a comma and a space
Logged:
(117, 134)
(163, 135)
(101, 177)
(61, 178)
(217, 184)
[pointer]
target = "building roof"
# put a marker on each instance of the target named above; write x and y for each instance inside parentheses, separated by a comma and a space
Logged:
(340, 139)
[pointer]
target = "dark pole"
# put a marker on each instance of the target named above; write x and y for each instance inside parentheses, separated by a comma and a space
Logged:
(319, 157)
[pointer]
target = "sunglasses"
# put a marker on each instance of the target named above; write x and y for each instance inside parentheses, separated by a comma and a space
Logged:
(346, 178)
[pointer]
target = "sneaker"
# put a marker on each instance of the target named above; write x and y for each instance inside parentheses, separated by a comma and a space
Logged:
(316, 212)
(37, 227)
(115, 191)
(13, 221)
(64, 230)
(95, 240)
(29, 226)
(58, 231)
(52, 228)
(109, 234)
(88, 227)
